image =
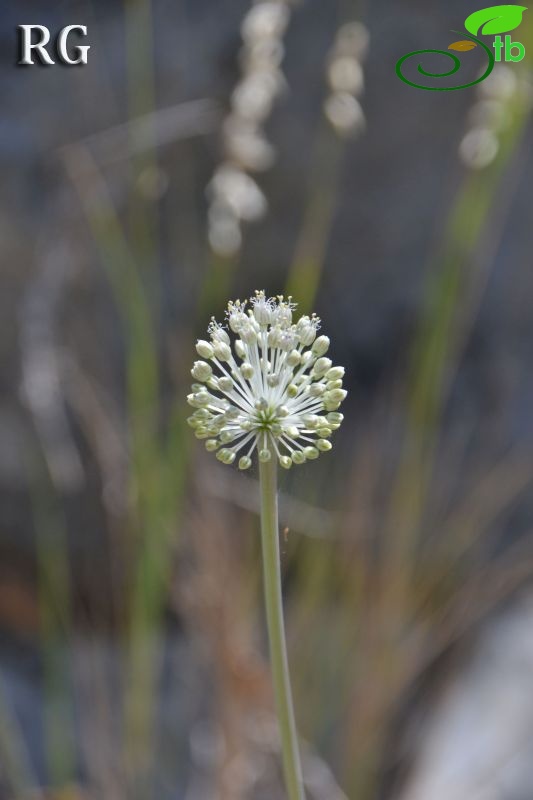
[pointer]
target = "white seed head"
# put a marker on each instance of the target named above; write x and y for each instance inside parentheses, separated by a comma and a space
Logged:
(270, 389)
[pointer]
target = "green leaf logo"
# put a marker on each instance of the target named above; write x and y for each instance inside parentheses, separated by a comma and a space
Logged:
(496, 19)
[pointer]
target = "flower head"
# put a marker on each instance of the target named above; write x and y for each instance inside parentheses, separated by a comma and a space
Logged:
(273, 389)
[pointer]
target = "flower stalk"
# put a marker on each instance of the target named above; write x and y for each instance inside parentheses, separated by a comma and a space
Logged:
(268, 389)
(276, 630)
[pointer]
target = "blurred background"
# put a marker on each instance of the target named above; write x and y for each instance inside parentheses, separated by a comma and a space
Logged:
(208, 149)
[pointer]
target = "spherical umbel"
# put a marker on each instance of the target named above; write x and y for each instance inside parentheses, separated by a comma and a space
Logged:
(271, 389)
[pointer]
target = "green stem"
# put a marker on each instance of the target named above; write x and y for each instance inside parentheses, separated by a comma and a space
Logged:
(276, 630)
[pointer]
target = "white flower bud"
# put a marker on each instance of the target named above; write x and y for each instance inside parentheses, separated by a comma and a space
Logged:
(275, 336)
(248, 334)
(292, 431)
(247, 371)
(311, 453)
(225, 384)
(236, 320)
(335, 373)
(287, 341)
(283, 315)
(320, 346)
(204, 349)
(321, 367)
(218, 334)
(307, 334)
(222, 351)
(202, 398)
(317, 389)
(293, 358)
(263, 311)
(201, 371)
(336, 395)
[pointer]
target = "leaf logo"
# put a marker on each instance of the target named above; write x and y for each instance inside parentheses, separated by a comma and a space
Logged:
(489, 21)
(493, 20)
(463, 45)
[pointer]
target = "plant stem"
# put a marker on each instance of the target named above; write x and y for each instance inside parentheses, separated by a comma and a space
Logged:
(276, 630)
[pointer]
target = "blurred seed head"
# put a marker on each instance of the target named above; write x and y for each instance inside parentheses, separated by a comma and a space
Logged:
(235, 196)
(254, 96)
(266, 20)
(264, 54)
(345, 114)
(489, 114)
(501, 84)
(345, 74)
(479, 148)
(239, 192)
(352, 40)
(346, 80)
(224, 231)
(247, 146)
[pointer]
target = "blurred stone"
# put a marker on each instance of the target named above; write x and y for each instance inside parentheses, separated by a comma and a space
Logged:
(477, 742)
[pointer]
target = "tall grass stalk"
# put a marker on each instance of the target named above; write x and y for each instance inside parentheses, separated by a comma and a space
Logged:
(276, 630)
